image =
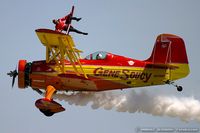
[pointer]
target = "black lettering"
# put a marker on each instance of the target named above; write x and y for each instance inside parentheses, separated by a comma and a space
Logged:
(98, 71)
(105, 73)
(148, 76)
(112, 73)
(117, 74)
(125, 75)
(132, 75)
(137, 75)
(143, 76)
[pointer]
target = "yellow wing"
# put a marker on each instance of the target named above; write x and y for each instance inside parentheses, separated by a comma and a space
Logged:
(60, 46)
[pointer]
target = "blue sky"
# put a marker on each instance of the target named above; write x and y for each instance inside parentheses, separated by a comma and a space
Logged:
(127, 28)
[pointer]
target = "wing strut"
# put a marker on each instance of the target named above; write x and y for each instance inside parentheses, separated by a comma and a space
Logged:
(59, 48)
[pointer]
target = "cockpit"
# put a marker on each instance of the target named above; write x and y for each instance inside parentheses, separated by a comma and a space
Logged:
(100, 55)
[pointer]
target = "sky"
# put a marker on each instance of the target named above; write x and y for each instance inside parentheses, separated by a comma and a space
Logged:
(127, 28)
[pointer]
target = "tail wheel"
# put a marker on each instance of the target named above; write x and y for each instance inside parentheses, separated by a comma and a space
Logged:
(179, 88)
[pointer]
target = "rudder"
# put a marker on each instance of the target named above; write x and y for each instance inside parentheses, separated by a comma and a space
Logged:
(170, 50)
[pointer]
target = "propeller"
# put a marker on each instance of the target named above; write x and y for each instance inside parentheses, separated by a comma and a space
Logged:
(14, 75)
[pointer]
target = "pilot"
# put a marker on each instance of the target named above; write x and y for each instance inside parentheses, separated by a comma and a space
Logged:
(99, 56)
(63, 24)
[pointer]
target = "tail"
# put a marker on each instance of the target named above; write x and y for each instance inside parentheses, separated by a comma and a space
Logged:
(169, 51)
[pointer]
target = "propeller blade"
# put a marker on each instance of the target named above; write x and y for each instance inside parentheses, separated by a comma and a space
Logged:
(13, 81)
(14, 75)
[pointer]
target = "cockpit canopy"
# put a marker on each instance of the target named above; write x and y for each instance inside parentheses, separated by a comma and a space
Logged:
(99, 55)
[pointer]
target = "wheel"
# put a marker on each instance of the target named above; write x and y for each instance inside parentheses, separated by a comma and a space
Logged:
(47, 112)
(179, 88)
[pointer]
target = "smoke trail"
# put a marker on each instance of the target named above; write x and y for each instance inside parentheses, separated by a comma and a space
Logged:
(186, 108)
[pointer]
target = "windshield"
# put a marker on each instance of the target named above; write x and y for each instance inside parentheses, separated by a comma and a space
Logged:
(100, 55)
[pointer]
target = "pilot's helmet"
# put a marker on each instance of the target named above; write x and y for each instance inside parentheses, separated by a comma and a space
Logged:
(99, 56)
(55, 21)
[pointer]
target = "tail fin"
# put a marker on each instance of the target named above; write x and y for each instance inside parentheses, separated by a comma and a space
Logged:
(170, 50)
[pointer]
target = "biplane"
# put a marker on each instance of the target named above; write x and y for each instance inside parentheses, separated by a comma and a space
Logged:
(65, 70)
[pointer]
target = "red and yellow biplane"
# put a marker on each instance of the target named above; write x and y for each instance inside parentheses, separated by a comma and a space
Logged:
(65, 70)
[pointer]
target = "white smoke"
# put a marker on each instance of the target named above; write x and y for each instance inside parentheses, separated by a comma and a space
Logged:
(186, 108)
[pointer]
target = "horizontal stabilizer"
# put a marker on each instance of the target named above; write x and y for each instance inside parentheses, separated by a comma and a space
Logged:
(162, 66)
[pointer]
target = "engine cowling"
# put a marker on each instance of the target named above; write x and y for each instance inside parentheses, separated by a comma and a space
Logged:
(24, 70)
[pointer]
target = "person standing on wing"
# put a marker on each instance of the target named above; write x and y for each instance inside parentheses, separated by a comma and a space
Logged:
(64, 24)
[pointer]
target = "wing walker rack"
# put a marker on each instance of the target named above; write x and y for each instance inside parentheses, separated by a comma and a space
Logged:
(59, 47)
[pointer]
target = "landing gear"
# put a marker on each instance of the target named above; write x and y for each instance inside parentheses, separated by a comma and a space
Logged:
(47, 105)
(179, 88)
(39, 91)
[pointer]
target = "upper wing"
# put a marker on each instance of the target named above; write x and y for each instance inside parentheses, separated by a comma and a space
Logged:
(60, 46)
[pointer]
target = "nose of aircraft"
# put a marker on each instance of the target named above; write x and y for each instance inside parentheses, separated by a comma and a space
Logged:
(21, 73)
